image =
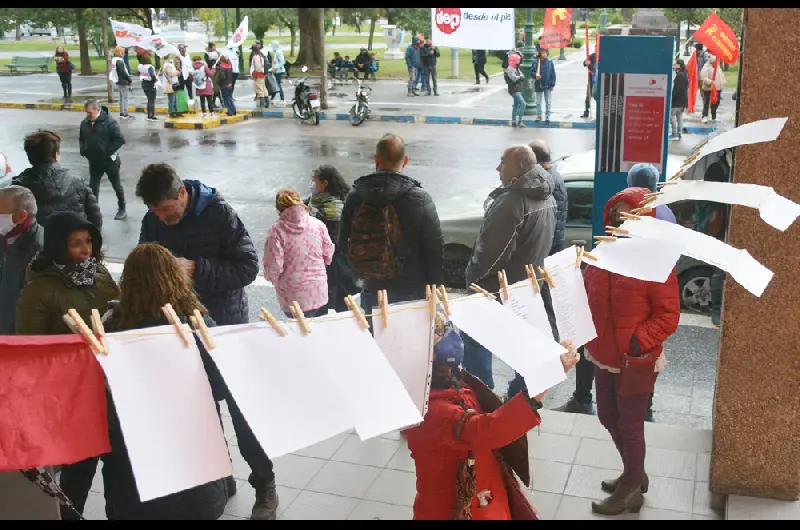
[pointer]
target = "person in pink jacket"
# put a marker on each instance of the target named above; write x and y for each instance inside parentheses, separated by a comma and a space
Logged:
(296, 252)
(202, 77)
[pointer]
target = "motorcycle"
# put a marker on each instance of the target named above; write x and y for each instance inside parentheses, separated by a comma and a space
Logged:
(360, 111)
(305, 104)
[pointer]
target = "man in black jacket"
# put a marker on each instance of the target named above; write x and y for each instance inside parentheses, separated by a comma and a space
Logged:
(196, 224)
(422, 235)
(53, 187)
(479, 64)
(429, 54)
(100, 138)
(363, 63)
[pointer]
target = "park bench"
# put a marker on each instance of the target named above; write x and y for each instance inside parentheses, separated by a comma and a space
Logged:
(29, 63)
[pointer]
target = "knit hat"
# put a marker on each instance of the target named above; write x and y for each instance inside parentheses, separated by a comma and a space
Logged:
(643, 176)
(448, 347)
(58, 227)
(514, 60)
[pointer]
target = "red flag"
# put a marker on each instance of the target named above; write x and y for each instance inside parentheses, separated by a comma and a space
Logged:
(557, 32)
(52, 402)
(714, 94)
(586, 26)
(719, 38)
(691, 71)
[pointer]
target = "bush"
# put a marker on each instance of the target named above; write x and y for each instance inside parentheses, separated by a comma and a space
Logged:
(577, 42)
(616, 18)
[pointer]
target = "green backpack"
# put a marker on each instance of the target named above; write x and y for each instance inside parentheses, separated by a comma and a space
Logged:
(376, 250)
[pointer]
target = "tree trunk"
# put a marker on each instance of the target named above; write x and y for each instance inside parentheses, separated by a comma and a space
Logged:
(372, 23)
(293, 31)
(148, 17)
(312, 31)
(83, 40)
(323, 86)
(18, 36)
(104, 27)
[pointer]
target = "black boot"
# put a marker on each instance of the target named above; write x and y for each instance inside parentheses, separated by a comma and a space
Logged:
(266, 505)
(585, 114)
(576, 407)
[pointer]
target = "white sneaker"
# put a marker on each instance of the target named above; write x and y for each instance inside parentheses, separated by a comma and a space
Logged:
(705, 119)
(205, 115)
(213, 114)
(190, 102)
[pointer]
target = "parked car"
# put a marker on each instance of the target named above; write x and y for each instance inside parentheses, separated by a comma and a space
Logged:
(461, 216)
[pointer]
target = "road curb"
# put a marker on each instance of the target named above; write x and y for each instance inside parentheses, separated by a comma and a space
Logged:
(245, 114)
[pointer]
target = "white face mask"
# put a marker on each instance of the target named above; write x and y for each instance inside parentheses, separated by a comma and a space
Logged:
(6, 224)
(312, 187)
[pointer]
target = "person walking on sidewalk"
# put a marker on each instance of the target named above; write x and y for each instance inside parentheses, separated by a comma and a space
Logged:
(121, 75)
(413, 63)
(226, 84)
(514, 79)
(258, 73)
(680, 99)
(195, 223)
(591, 65)
(429, 55)
(100, 140)
(543, 72)
(202, 78)
(147, 74)
(711, 78)
(278, 68)
(64, 69)
(479, 65)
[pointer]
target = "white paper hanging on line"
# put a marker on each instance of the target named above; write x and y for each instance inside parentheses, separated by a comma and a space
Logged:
(166, 411)
(377, 399)
(637, 257)
(570, 303)
(525, 302)
(407, 343)
(750, 133)
(518, 344)
(748, 272)
(288, 400)
(775, 210)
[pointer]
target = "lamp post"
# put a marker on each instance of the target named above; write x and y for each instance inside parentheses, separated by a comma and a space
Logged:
(528, 53)
(603, 20)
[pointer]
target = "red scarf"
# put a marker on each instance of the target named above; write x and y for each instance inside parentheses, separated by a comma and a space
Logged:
(20, 229)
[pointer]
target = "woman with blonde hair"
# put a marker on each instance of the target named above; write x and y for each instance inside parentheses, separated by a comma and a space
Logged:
(64, 68)
(296, 252)
(120, 75)
(171, 84)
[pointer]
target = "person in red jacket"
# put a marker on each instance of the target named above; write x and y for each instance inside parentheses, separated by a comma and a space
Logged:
(458, 474)
(632, 317)
(64, 69)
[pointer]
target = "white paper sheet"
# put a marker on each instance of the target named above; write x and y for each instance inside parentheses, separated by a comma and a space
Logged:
(750, 133)
(570, 303)
(407, 344)
(527, 304)
(750, 274)
(775, 210)
(288, 400)
(166, 411)
(637, 257)
(533, 354)
(350, 356)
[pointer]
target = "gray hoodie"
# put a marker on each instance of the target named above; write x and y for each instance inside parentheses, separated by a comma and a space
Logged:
(517, 230)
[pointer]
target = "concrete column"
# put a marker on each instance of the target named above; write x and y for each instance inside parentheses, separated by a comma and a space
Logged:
(756, 449)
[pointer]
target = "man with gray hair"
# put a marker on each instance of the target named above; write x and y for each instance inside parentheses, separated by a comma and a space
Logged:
(100, 139)
(22, 237)
(517, 231)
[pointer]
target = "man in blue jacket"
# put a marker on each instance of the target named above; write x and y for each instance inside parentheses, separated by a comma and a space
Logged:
(414, 64)
(543, 72)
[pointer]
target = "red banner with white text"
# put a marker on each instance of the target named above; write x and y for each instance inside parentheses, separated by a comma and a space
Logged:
(719, 38)
(557, 32)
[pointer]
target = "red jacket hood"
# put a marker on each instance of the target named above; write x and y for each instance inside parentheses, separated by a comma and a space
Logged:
(633, 197)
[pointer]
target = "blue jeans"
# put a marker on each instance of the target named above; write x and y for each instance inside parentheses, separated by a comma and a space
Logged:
(172, 103)
(537, 97)
(518, 107)
(477, 360)
(227, 99)
(421, 79)
(278, 78)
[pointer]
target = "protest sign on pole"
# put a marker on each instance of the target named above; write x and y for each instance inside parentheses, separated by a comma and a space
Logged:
(238, 38)
(719, 38)
(474, 28)
(162, 48)
(557, 32)
(129, 35)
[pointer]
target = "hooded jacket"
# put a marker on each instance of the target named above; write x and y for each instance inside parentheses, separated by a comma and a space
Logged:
(100, 139)
(562, 206)
(680, 89)
(212, 235)
(57, 191)
(278, 60)
(296, 252)
(631, 316)
(420, 225)
(413, 57)
(14, 261)
(517, 230)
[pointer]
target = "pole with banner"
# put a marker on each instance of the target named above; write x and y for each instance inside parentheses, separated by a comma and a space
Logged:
(557, 32)
(635, 87)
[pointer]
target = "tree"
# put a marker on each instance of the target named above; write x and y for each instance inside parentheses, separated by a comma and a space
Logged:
(311, 33)
(350, 15)
(694, 15)
(213, 20)
(83, 41)
(104, 21)
(323, 86)
(261, 19)
(289, 18)
(732, 17)
(412, 19)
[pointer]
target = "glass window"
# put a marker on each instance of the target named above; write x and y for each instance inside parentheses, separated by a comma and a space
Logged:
(580, 194)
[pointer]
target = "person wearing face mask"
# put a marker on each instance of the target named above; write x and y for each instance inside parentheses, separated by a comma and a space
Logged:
(22, 237)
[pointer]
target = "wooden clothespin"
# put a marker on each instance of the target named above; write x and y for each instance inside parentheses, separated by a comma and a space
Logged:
(445, 300)
(616, 230)
(85, 332)
(301, 318)
(532, 277)
(632, 215)
(667, 183)
(590, 256)
(579, 259)
(484, 292)
(353, 306)
(653, 195)
(99, 330)
(609, 239)
(199, 324)
(430, 296)
(547, 277)
(71, 324)
(383, 303)
(501, 276)
(277, 326)
(173, 319)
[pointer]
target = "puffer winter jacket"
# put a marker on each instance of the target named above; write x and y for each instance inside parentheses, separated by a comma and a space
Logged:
(631, 316)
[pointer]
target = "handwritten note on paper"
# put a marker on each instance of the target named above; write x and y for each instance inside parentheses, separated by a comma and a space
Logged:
(748, 272)
(166, 411)
(527, 304)
(636, 257)
(264, 373)
(407, 343)
(377, 399)
(775, 210)
(520, 345)
(570, 303)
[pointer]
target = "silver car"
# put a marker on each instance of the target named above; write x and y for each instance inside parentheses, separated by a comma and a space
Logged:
(461, 216)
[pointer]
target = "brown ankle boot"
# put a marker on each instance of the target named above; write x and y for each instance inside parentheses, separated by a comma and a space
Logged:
(623, 499)
(610, 486)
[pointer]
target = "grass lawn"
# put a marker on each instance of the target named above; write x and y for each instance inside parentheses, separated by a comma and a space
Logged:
(98, 65)
(10, 45)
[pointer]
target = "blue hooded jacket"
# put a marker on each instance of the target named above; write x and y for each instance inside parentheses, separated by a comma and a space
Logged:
(413, 59)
